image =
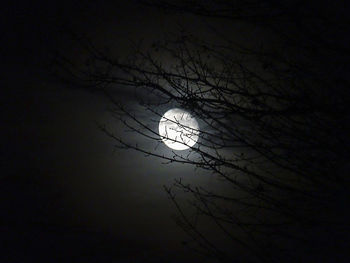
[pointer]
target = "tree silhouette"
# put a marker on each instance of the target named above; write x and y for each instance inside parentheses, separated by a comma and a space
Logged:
(273, 120)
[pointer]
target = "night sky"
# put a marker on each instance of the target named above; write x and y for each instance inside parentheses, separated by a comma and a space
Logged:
(66, 193)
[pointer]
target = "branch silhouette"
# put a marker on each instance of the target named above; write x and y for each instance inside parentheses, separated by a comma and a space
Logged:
(274, 124)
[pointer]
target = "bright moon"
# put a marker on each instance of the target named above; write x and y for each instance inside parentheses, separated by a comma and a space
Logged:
(178, 129)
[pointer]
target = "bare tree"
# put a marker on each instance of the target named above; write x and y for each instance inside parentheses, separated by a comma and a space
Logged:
(273, 123)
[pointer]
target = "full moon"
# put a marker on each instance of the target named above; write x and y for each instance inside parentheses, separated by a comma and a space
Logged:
(178, 129)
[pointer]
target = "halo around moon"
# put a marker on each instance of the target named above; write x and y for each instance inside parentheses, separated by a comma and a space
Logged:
(178, 129)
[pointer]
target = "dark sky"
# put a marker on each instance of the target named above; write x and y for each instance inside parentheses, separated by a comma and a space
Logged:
(66, 193)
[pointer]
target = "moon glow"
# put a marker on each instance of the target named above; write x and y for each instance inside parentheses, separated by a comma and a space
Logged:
(178, 129)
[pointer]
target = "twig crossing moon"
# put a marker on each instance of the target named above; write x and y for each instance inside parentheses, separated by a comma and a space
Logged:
(178, 129)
